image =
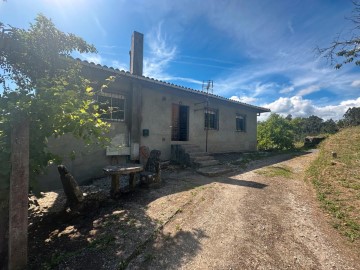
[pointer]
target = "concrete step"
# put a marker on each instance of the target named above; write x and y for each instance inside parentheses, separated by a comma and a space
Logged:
(189, 146)
(214, 171)
(206, 163)
(197, 154)
(193, 149)
(200, 158)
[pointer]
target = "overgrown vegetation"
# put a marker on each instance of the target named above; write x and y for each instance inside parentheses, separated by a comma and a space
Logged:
(281, 133)
(337, 180)
(276, 171)
(42, 84)
(275, 133)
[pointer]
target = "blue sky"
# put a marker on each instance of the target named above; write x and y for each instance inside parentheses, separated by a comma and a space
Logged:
(256, 51)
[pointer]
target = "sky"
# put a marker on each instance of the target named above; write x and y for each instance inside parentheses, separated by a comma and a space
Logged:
(260, 52)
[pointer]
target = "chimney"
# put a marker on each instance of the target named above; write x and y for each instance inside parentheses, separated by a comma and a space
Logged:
(136, 54)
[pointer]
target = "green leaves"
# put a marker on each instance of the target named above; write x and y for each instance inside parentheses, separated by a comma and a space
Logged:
(345, 51)
(41, 83)
(276, 133)
(352, 116)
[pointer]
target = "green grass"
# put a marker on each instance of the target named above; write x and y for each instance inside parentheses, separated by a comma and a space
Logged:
(102, 242)
(276, 171)
(57, 258)
(337, 180)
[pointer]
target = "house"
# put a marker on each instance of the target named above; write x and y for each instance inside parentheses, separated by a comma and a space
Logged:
(158, 115)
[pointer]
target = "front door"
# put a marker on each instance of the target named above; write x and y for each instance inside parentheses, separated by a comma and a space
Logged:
(180, 123)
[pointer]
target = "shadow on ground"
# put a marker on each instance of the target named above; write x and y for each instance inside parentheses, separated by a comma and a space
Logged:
(117, 232)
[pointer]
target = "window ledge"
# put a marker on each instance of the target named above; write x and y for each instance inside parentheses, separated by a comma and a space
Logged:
(112, 120)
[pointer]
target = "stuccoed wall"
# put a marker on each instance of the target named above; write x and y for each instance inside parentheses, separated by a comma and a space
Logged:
(86, 165)
(151, 108)
(157, 112)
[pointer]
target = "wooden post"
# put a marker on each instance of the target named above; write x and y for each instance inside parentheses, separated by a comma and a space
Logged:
(132, 181)
(115, 185)
(18, 201)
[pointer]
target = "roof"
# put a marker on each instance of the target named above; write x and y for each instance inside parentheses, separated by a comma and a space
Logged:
(179, 87)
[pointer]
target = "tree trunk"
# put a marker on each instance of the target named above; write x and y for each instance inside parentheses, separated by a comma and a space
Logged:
(18, 201)
(4, 224)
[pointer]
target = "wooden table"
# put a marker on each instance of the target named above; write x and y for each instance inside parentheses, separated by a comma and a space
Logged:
(122, 169)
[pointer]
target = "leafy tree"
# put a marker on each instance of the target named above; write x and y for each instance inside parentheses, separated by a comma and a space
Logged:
(352, 116)
(341, 123)
(344, 51)
(298, 128)
(276, 133)
(42, 84)
(329, 126)
(312, 125)
(289, 117)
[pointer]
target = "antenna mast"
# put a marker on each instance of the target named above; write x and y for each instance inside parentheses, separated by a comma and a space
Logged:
(209, 86)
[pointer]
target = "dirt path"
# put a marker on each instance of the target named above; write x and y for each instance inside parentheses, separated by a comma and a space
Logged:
(250, 221)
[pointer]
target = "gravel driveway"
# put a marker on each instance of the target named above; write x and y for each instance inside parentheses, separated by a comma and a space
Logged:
(250, 221)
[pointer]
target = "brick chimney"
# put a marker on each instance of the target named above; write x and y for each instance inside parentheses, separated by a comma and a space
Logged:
(136, 54)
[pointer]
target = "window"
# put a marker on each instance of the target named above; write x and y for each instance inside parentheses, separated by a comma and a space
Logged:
(111, 106)
(211, 119)
(240, 122)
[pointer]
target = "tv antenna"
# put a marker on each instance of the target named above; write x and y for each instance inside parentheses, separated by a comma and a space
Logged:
(208, 86)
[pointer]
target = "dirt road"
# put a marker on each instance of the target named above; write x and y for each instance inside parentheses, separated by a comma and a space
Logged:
(252, 220)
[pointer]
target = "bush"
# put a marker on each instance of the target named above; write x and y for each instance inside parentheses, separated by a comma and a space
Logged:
(276, 133)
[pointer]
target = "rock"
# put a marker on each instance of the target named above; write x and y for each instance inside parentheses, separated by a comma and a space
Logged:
(312, 141)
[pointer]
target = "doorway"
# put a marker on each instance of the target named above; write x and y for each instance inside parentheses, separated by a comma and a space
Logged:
(180, 123)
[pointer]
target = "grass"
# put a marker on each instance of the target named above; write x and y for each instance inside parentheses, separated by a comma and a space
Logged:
(337, 180)
(276, 171)
(102, 242)
(59, 257)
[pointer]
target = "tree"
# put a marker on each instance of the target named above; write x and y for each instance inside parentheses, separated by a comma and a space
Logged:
(312, 125)
(329, 126)
(345, 51)
(298, 128)
(276, 133)
(42, 84)
(352, 116)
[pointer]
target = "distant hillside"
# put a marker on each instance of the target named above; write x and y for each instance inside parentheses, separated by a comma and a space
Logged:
(337, 180)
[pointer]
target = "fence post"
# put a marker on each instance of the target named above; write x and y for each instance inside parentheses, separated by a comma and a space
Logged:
(18, 198)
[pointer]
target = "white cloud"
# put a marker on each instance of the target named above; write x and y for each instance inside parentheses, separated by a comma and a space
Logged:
(299, 107)
(92, 58)
(287, 89)
(290, 27)
(355, 83)
(99, 26)
(309, 90)
(244, 99)
(161, 53)
(119, 65)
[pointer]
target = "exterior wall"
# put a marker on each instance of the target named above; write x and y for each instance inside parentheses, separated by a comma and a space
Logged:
(88, 161)
(148, 105)
(86, 165)
(157, 117)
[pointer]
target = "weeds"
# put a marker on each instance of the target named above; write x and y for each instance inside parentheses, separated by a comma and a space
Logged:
(102, 242)
(57, 258)
(337, 182)
(276, 171)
